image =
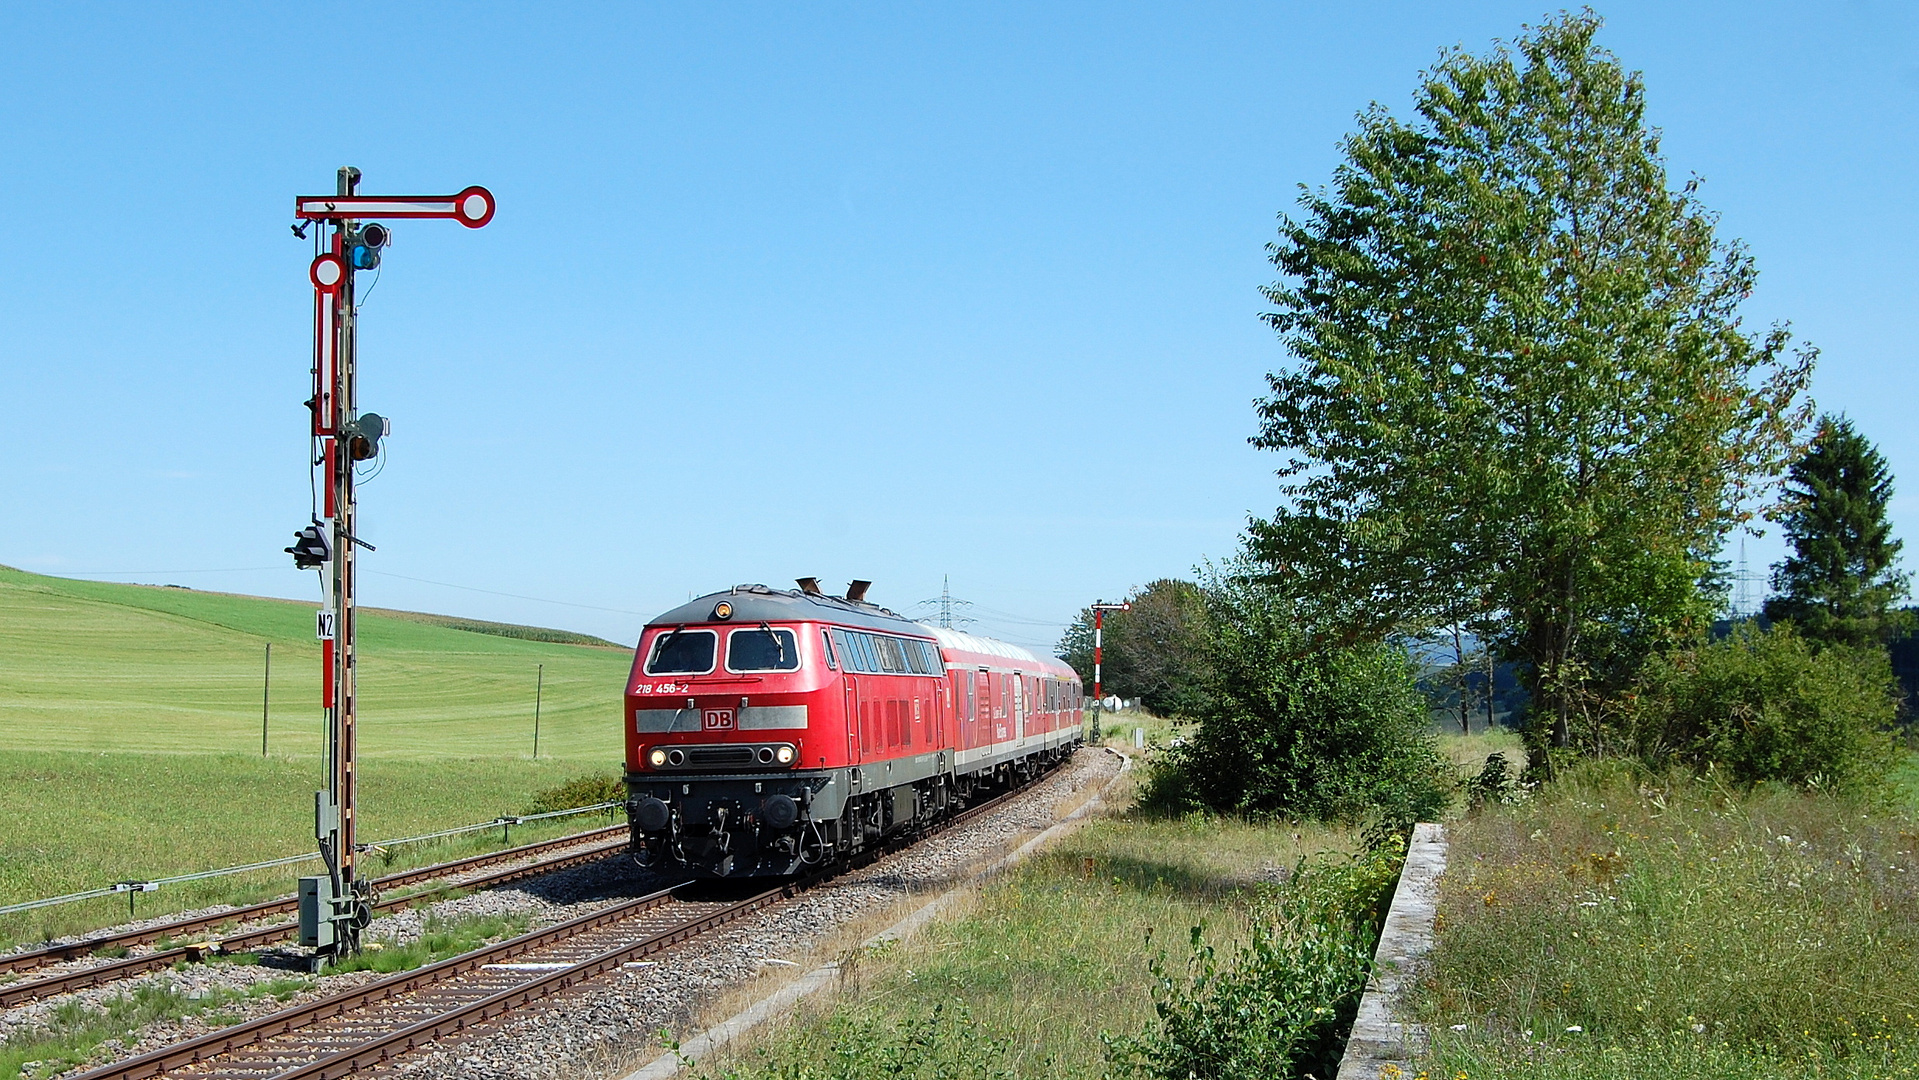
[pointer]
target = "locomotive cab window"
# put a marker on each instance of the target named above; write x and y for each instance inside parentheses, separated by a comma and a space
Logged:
(762, 649)
(682, 652)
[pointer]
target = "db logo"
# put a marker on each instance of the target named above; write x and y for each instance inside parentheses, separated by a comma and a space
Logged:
(717, 719)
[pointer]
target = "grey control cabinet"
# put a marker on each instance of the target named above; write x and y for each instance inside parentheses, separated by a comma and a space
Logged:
(316, 912)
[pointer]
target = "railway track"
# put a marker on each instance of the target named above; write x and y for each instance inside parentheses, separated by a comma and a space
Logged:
(601, 844)
(380, 1021)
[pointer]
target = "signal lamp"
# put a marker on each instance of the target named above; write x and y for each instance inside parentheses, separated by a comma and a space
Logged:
(785, 754)
(363, 257)
(723, 611)
(375, 235)
(310, 548)
(363, 435)
(657, 757)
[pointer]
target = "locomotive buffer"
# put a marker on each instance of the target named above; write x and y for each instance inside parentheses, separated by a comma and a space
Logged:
(336, 906)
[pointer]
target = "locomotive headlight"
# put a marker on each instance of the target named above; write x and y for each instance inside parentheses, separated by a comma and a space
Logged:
(784, 754)
(657, 757)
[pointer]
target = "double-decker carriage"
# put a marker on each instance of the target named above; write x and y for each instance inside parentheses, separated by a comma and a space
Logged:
(768, 730)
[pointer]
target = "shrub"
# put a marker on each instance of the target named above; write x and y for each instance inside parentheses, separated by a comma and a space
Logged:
(1281, 1006)
(580, 791)
(1767, 705)
(1295, 726)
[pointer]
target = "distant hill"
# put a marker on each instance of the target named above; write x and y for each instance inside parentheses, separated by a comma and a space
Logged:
(500, 629)
(95, 666)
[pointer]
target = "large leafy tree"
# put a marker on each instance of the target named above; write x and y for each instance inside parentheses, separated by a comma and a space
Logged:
(1839, 585)
(1157, 652)
(1523, 395)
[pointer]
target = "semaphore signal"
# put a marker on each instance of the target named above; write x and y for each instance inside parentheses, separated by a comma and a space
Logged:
(334, 908)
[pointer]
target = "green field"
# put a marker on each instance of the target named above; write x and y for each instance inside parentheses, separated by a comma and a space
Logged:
(130, 734)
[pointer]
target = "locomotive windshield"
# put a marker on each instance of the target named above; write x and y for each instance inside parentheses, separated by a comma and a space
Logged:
(765, 649)
(682, 652)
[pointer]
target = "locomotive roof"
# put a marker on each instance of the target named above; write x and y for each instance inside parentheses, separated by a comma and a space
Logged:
(758, 604)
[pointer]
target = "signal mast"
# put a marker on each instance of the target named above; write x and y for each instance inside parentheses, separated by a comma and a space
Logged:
(335, 907)
(1100, 608)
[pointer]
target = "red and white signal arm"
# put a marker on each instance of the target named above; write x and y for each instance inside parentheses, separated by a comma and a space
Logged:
(472, 207)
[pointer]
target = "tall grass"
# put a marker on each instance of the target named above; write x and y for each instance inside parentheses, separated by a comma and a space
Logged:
(1625, 925)
(1044, 963)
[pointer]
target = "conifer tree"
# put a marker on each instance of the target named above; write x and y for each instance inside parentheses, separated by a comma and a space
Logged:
(1839, 585)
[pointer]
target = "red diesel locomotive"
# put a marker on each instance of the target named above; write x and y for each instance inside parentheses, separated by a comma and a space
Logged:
(769, 730)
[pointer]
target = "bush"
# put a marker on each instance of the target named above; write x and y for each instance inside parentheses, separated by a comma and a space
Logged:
(1281, 1007)
(580, 791)
(1301, 728)
(1767, 705)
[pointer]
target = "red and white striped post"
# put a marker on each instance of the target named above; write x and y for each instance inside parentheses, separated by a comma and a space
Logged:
(346, 242)
(1100, 608)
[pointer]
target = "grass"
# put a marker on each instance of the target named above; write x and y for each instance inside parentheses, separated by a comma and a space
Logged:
(94, 666)
(78, 821)
(132, 726)
(1469, 752)
(75, 1030)
(1025, 979)
(1621, 925)
(440, 938)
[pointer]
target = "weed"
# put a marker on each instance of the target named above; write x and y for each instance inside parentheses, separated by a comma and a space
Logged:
(74, 1030)
(441, 938)
(580, 791)
(1281, 1006)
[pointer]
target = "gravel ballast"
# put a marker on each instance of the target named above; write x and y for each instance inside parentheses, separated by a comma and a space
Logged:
(615, 1021)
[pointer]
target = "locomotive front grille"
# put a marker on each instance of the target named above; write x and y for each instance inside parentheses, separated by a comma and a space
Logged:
(722, 757)
(719, 757)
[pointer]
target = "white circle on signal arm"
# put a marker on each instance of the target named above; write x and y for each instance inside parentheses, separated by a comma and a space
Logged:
(328, 271)
(473, 207)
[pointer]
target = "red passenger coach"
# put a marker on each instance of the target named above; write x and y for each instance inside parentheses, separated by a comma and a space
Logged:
(770, 730)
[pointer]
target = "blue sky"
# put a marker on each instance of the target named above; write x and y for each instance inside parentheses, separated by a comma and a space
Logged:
(891, 292)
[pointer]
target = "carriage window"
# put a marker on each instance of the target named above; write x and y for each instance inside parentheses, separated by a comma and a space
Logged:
(892, 657)
(826, 646)
(682, 652)
(762, 650)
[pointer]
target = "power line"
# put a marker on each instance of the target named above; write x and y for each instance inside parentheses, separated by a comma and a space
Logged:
(947, 603)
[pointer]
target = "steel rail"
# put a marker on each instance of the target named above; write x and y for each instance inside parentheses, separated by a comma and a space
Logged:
(159, 1062)
(53, 954)
(383, 1047)
(99, 974)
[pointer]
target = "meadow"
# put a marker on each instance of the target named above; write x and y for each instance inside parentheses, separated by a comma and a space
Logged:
(1623, 924)
(130, 722)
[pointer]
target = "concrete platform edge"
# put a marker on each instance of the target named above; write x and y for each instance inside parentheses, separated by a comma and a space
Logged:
(1383, 1041)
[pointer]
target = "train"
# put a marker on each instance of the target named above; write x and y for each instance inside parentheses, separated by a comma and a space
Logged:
(774, 731)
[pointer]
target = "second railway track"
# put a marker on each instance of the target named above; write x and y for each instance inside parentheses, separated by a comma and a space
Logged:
(594, 845)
